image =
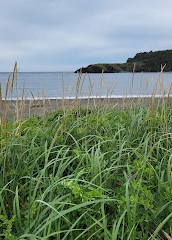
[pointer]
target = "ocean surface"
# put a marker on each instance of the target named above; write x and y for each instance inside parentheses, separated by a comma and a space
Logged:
(58, 85)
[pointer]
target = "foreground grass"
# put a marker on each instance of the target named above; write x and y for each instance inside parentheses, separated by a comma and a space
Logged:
(101, 174)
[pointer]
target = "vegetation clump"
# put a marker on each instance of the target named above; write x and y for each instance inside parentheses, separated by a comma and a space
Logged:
(93, 173)
(87, 174)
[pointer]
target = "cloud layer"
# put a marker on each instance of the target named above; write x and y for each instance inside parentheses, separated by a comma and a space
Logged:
(62, 35)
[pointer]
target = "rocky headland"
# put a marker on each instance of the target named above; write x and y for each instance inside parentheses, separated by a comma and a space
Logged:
(143, 62)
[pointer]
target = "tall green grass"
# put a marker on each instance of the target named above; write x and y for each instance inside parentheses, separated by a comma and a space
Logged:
(88, 174)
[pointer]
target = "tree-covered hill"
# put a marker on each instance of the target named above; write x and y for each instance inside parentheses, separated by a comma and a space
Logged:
(145, 61)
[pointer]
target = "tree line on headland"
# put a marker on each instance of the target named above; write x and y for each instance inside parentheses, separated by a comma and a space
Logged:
(141, 62)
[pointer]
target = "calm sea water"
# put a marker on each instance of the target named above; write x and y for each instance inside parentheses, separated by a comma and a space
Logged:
(52, 84)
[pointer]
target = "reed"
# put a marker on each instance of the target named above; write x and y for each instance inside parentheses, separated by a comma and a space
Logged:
(99, 92)
(30, 104)
(89, 95)
(43, 100)
(42, 115)
(21, 115)
(63, 92)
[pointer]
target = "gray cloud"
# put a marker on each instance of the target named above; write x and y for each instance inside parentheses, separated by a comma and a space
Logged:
(57, 35)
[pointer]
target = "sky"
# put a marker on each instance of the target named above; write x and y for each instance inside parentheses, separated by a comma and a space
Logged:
(64, 35)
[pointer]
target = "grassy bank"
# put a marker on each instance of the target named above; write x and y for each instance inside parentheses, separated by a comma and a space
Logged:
(81, 174)
(86, 173)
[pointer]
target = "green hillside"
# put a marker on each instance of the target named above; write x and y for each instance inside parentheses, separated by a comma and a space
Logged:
(144, 62)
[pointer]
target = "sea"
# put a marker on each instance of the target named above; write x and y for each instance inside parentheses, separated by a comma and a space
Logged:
(57, 85)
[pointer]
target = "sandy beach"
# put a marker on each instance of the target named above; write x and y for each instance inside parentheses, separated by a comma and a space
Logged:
(28, 108)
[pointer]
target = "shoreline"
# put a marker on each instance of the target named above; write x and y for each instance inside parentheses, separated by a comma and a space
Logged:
(31, 107)
(91, 97)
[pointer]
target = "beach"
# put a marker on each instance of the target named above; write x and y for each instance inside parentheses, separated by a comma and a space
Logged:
(28, 108)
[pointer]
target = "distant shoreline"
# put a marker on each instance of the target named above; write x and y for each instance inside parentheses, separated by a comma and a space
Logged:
(142, 62)
(91, 97)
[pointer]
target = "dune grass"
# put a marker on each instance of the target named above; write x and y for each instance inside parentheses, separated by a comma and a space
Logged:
(88, 174)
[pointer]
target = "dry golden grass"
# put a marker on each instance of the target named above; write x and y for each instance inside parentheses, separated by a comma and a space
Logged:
(39, 106)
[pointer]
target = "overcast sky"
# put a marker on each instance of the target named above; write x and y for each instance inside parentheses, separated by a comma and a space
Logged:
(63, 35)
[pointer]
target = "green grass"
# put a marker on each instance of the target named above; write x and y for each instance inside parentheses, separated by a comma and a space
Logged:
(101, 174)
